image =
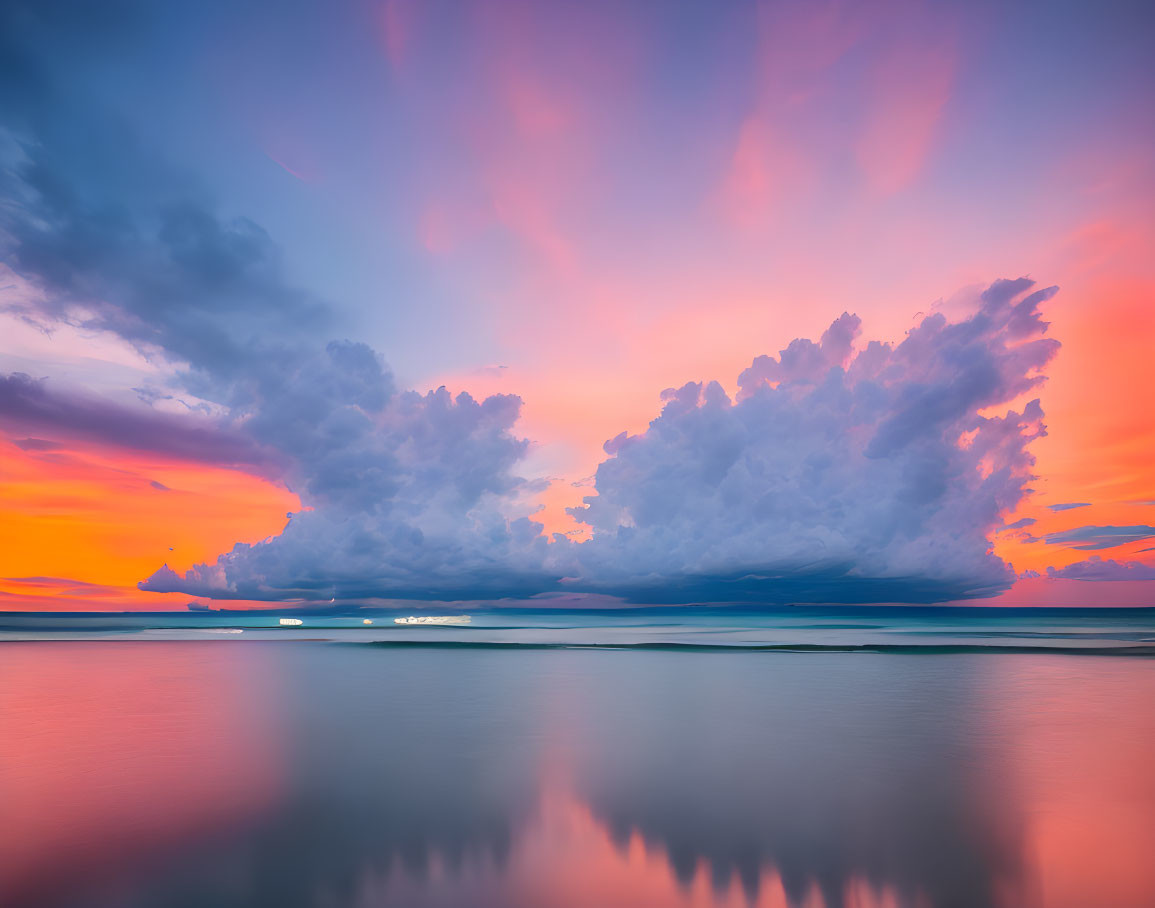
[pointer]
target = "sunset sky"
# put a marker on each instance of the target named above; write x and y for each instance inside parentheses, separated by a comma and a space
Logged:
(243, 245)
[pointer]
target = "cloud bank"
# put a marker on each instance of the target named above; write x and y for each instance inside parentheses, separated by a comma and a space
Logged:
(838, 474)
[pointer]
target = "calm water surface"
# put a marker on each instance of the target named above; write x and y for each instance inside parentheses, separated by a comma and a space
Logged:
(230, 773)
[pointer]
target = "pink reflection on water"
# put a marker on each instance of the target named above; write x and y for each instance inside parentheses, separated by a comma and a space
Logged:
(566, 858)
(1068, 783)
(114, 754)
(120, 760)
(1083, 750)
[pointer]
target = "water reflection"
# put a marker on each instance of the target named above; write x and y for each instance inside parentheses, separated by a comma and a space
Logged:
(836, 773)
(112, 755)
(191, 774)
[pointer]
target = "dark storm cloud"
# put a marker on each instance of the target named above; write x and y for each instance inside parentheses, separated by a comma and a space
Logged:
(118, 239)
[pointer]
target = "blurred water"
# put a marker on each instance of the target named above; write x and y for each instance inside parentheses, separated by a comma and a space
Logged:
(233, 773)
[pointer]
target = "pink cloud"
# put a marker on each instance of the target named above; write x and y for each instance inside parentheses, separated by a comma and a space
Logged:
(909, 90)
(765, 171)
(396, 21)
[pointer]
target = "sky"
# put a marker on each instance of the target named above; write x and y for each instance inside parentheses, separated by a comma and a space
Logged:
(622, 302)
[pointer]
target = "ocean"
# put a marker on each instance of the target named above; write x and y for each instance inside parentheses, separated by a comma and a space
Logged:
(775, 757)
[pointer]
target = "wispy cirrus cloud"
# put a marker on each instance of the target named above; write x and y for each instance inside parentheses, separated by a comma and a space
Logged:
(1090, 538)
(37, 444)
(64, 584)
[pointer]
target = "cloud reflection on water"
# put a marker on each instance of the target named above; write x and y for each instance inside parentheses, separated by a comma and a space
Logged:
(318, 775)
